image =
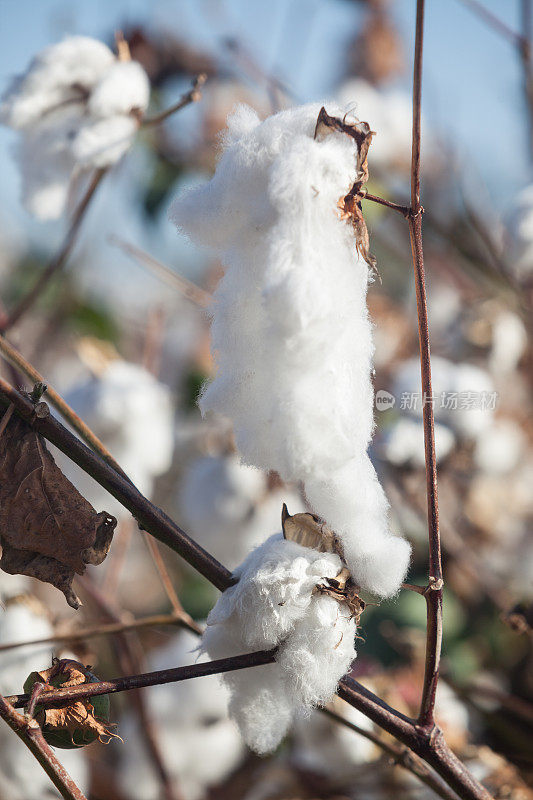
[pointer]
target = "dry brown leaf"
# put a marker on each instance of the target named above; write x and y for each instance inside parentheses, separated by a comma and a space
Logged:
(48, 530)
(350, 205)
(307, 530)
(81, 722)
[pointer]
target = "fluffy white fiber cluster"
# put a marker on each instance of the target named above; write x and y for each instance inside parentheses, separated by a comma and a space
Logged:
(291, 331)
(272, 605)
(76, 107)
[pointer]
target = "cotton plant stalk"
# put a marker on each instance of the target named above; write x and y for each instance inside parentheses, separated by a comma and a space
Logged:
(291, 333)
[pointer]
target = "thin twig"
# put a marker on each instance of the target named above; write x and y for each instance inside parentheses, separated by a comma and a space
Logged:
(179, 612)
(192, 96)
(403, 210)
(434, 596)
(186, 287)
(400, 755)
(28, 730)
(104, 630)
(493, 21)
(17, 359)
(60, 259)
(70, 694)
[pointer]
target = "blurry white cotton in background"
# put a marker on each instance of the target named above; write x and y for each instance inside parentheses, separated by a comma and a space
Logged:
(228, 507)
(520, 251)
(200, 745)
(402, 444)
(463, 394)
(291, 333)
(132, 413)
(77, 107)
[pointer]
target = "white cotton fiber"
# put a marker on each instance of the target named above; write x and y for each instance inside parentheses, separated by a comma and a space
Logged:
(77, 107)
(276, 603)
(291, 333)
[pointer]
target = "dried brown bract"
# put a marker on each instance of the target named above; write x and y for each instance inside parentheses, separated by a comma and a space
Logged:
(309, 531)
(350, 205)
(48, 530)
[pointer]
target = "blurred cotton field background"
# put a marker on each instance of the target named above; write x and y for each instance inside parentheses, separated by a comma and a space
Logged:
(123, 335)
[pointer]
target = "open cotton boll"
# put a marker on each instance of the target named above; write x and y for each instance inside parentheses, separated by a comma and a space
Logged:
(123, 89)
(228, 507)
(509, 343)
(77, 107)
(102, 142)
(62, 73)
(275, 604)
(498, 449)
(291, 333)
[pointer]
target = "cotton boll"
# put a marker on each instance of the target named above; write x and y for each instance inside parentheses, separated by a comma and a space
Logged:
(46, 163)
(498, 449)
(131, 412)
(403, 443)
(124, 88)
(290, 325)
(228, 508)
(62, 73)
(103, 142)
(275, 602)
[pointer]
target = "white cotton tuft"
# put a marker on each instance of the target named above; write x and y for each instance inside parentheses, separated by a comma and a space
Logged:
(276, 603)
(291, 331)
(76, 108)
(124, 88)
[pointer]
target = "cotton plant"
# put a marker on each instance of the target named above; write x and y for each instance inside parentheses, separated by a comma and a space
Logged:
(76, 108)
(191, 721)
(228, 506)
(284, 599)
(22, 619)
(132, 413)
(291, 333)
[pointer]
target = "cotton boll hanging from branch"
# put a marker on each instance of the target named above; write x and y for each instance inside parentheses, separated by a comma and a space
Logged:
(281, 600)
(291, 332)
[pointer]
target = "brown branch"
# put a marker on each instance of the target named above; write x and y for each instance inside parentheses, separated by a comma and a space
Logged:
(28, 730)
(62, 697)
(400, 755)
(60, 259)
(434, 595)
(104, 630)
(148, 516)
(403, 210)
(15, 358)
(192, 96)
